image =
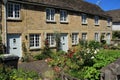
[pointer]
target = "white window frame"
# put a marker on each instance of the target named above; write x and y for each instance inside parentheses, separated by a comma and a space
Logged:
(109, 22)
(50, 15)
(84, 19)
(96, 20)
(14, 12)
(63, 16)
(51, 39)
(35, 41)
(75, 38)
(96, 36)
(84, 36)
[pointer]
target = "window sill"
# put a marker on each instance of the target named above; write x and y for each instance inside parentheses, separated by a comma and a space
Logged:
(97, 25)
(64, 22)
(14, 19)
(74, 44)
(108, 25)
(84, 23)
(48, 21)
(34, 48)
(52, 46)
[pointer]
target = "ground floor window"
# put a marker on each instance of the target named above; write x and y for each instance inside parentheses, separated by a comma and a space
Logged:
(51, 39)
(34, 40)
(84, 36)
(96, 36)
(74, 38)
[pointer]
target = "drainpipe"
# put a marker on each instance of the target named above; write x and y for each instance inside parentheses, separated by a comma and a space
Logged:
(5, 25)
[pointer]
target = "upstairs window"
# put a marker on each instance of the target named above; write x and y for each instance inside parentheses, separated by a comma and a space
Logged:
(74, 38)
(96, 20)
(13, 11)
(63, 16)
(51, 39)
(108, 22)
(84, 19)
(34, 41)
(50, 14)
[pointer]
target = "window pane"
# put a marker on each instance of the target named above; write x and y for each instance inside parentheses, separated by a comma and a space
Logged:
(51, 39)
(17, 10)
(83, 18)
(34, 40)
(96, 19)
(48, 14)
(96, 37)
(10, 10)
(37, 40)
(84, 36)
(52, 14)
(74, 38)
(63, 15)
(31, 40)
(48, 38)
(109, 22)
(13, 10)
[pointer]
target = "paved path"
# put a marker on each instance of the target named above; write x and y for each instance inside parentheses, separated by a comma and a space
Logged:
(37, 66)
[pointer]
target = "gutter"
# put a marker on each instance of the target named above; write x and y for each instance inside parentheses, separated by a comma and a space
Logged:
(5, 25)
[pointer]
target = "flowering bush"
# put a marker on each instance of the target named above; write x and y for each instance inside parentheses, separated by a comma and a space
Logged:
(74, 60)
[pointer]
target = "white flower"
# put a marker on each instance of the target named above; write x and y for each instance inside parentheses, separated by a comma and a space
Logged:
(92, 57)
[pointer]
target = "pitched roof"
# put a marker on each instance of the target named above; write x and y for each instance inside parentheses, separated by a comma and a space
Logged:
(74, 5)
(115, 14)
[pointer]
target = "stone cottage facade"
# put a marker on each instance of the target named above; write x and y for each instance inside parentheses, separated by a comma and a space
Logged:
(32, 21)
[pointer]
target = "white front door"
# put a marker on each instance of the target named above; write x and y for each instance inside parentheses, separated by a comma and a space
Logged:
(14, 45)
(108, 38)
(64, 42)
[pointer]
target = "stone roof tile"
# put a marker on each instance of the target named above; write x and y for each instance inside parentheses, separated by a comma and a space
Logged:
(75, 5)
(115, 14)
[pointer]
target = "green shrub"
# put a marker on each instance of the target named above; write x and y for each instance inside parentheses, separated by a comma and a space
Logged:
(45, 53)
(7, 73)
(83, 43)
(20, 74)
(116, 35)
(40, 56)
(103, 42)
(94, 44)
(102, 59)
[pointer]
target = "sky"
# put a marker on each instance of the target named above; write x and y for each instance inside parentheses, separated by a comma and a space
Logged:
(107, 4)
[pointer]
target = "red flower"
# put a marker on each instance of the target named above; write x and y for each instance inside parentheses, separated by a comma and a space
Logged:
(70, 53)
(46, 42)
(57, 69)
